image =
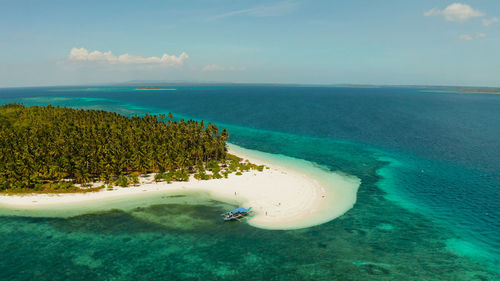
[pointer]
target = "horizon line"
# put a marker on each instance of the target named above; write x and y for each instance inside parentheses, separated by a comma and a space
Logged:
(183, 82)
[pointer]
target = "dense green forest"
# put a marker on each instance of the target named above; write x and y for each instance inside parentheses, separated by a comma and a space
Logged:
(52, 148)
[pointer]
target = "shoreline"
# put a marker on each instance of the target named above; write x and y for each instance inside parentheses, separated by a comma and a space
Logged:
(292, 194)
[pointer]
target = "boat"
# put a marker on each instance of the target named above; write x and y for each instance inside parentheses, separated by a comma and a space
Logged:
(236, 214)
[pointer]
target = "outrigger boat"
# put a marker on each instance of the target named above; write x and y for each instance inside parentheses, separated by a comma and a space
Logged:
(236, 214)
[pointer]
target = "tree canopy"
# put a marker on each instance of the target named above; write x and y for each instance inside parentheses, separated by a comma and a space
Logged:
(47, 148)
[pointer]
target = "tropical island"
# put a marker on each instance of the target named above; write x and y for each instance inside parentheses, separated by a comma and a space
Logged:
(154, 89)
(481, 90)
(46, 149)
(54, 157)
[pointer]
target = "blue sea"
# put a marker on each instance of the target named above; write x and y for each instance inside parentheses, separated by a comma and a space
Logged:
(428, 207)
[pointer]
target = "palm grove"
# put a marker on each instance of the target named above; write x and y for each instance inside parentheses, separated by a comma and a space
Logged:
(51, 148)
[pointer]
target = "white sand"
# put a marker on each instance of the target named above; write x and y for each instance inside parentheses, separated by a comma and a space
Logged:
(291, 194)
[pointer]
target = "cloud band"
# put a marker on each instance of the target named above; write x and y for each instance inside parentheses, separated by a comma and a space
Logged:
(82, 54)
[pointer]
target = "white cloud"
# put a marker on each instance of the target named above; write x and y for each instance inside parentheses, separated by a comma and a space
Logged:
(433, 12)
(455, 12)
(468, 37)
(215, 67)
(82, 54)
(488, 22)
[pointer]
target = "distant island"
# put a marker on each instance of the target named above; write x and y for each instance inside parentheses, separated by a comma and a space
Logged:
(481, 90)
(155, 89)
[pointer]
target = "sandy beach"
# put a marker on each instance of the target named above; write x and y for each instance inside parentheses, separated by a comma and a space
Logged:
(291, 194)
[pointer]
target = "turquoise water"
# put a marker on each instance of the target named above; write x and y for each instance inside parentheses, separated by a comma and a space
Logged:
(427, 208)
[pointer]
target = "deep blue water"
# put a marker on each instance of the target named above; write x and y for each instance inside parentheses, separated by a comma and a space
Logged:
(429, 163)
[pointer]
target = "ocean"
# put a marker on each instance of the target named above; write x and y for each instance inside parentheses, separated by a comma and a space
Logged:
(428, 207)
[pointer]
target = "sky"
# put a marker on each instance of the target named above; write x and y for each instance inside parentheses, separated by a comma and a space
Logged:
(394, 42)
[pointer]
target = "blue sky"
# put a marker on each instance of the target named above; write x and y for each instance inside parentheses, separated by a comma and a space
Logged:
(309, 42)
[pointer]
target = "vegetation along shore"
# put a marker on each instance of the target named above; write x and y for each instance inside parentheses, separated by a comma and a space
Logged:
(52, 149)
